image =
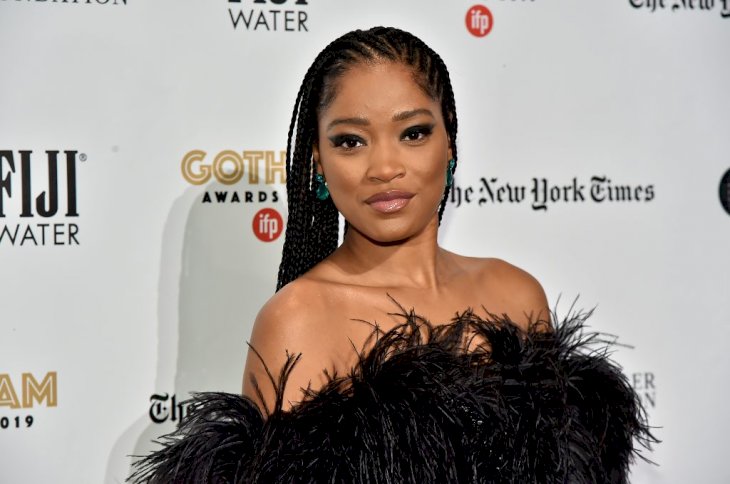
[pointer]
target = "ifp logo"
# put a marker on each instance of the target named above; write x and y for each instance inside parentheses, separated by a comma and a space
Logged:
(267, 224)
(479, 20)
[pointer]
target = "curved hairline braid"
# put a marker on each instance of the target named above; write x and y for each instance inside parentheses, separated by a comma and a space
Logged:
(312, 229)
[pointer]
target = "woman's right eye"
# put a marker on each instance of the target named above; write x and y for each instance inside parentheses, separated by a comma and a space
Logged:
(347, 142)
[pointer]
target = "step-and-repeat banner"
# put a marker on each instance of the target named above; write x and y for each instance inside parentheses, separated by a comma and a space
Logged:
(142, 199)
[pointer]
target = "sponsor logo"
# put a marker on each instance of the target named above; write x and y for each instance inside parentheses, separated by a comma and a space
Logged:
(269, 15)
(31, 393)
(267, 224)
(541, 193)
(31, 189)
(77, 2)
(165, 407)
(644, 384)
(479, 20)
(725, 191)
(681, 5)
(262, 169)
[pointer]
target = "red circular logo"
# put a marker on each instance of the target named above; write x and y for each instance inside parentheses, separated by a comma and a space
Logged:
(479, 20)
(267, 224)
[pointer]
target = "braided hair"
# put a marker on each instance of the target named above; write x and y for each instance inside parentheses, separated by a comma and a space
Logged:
(312, 228)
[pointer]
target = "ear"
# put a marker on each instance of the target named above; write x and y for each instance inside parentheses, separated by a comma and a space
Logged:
(315, 158)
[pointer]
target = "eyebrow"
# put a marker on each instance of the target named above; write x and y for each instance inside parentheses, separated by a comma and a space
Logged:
(357, 121)
(401, 116)
(413, 112)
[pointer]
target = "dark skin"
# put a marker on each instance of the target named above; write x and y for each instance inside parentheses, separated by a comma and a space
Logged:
(381, 133)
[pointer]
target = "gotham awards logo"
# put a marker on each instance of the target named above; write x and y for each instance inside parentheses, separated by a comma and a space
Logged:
(264, 170)
(247, 177)
(19, 398)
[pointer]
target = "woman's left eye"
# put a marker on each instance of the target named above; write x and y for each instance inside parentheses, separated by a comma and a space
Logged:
(417, 133)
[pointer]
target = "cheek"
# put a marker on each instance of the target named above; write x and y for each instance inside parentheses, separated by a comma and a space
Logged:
(435, 174)
(340, 176)
(343, 186)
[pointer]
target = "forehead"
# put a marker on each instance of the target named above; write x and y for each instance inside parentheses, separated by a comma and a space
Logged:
(380, 88)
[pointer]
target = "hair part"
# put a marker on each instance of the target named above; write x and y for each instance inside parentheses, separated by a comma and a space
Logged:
(312, 228)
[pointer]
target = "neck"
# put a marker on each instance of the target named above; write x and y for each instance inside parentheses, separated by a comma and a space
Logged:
(415, 262)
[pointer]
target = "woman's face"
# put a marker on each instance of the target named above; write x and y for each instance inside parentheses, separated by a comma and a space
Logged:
(383, 149)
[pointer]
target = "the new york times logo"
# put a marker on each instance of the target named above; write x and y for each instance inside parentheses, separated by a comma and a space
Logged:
(270, 15)
(164, 407)
(541, 193)
(33, 188)
(228, 168)
(683, 5)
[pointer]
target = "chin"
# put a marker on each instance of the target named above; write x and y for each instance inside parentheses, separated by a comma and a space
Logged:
(390, 233)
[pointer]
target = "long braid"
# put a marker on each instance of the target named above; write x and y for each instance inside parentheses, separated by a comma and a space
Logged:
(448, 106)
(302, 243)
(312, 229)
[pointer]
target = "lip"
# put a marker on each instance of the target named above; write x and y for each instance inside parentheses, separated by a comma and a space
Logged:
(390, 201)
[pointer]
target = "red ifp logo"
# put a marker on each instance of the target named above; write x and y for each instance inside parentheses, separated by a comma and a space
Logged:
(479, 20)
(267, 224)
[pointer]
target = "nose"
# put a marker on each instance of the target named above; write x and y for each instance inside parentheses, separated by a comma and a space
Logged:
(384, 164)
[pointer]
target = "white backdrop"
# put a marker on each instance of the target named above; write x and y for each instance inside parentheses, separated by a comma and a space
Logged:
(141, 290)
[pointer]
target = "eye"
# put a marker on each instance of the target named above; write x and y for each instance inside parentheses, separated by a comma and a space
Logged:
(347, 142)
(417, 133)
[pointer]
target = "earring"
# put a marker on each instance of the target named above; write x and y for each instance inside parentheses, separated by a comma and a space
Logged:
(321, 189)
(450, 172)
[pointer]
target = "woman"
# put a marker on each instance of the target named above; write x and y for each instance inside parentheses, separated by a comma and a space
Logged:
(328, 398)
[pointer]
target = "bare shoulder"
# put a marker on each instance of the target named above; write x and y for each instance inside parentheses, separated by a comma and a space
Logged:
(287, 325)
(512, 291)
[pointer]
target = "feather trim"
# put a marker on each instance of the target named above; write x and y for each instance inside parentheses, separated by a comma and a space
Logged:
(543, 405)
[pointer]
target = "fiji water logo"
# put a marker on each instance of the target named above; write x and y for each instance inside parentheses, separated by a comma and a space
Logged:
(38, 197)
(269, 15)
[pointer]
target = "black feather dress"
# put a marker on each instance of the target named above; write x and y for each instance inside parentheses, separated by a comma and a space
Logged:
(538, 406)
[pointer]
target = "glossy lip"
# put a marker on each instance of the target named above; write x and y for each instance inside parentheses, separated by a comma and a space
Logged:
(389, 196)
(390, 201)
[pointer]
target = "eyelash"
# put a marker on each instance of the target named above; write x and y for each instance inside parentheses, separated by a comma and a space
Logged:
(340, 140)
(422, 132)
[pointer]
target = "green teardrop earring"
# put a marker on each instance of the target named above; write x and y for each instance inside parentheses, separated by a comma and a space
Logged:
(450, 172)
(321, 190)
